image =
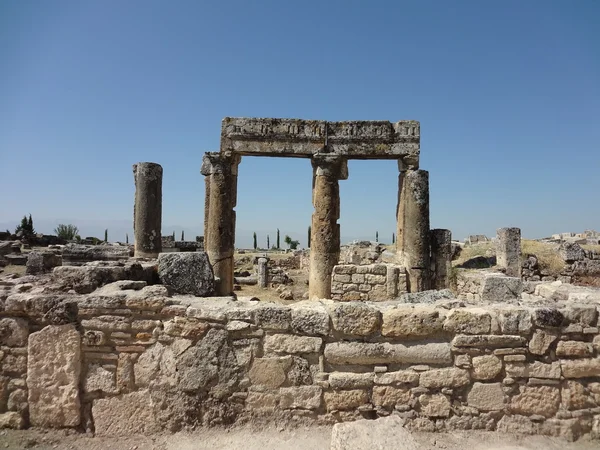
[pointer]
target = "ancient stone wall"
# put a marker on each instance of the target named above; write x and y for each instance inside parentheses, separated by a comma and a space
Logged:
(374, 282)
(138, 361)
(579, 264)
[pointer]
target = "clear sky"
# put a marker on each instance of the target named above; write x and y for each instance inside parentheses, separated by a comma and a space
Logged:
(507, 93)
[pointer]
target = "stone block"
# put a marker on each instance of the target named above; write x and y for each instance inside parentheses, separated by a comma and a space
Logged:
(383, 433)
(355, 319)
(402, 377)
(99, 379)
(538, 400)
(12, 420)
(574, 349)
(411, 322)
(389, 396)
(303, 397)
(187, 273)
(440, 378)
(497, 289)
(487, 396)
(347, 380)
(124, 415)
(580, 368)
(535, 369)
(270, 372)
(428, 297)
(470, 321)
(53, 371)
(508, 251)
(435, 405)
(515, 321)
(287, 343)
(387, 353)
(311, 321)
(548, 317)
(13, 332)
(345, 400)
(540, 341)
(486, 367)
(488, 341)
(575, 396)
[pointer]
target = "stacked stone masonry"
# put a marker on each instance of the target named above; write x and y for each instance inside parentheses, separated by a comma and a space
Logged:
(139, 361)
(374, 282)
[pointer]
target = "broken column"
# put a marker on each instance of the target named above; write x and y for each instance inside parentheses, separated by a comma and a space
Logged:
(412, 242)
(325, 231)
(441, 258)
(147, 210)
(508, 251)
(263, 272)
(219, 233)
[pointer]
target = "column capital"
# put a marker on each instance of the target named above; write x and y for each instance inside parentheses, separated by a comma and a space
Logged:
(330, 165)
(220, 162)
(410, 162)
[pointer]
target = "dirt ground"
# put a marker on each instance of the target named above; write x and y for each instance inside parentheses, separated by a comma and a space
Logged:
(310, 438)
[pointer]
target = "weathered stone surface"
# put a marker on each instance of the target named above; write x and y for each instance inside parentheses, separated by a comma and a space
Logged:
(575, 396)
(276, 318)
(303, 397)
(570, 251)
(548, 317)
(486, 367)
(501, 289)
(535, 369)
(78, 254)
(386, 353)
(540, 400)
(585, 315)
(515, 321)
(517, 424)
(147, 210)
(17, 401)
(355, 319)
(53, 371)
(124, 415)
(288, 343)
(84, 279)
(187, 273)
(383, 433)
(493, 341)
(472, 321)
(389, 396)
(313, 321)
(40, 262)
(540, 341)
(508, 251)
(99, 379)
(347, 380)
(345, 400)
(580, 368)
(427, 297)
(157, 364)
(401, 377)
(436, 405)
(439, 378)
(574, 349)
(12, 420)
(486, 396)
(407, 322)
(270, 372)
(13, 332)
(209, 365)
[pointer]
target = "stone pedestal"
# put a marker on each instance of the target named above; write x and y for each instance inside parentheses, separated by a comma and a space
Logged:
(263, 272)
(147, 210)
(508, 251)
(219, 232)
(441, 258)
(412, 242)
(325, 231)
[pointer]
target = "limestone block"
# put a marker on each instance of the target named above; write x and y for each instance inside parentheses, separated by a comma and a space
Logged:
(569, 429)
(488, 341)
(580, 368)
(574, 349)
(187, 273)
(17, 401)
(12, 420)
(124, 415)
(427, 297)
(355, 319)
(585, 315)
(348, 380)
(486, 396)
(540, 341)
(99, 379)
(434, 405)
(386, 353)
(539, 400)
(575, 396)
(345, 400)
(407, 322)
(471, 321)
(304, 397)
(185, 327)
(548, 317)
(389, 396)
(287, 343)
(312, 321)
(383, 433)
(155, 364)
(270, 372)
(508, 250)
(13, 332)
(449, 377)
(401, 377)
(517, 424)
(501, 289)
(535, 369)
(515, 321)
(53, 370)
(486, 367)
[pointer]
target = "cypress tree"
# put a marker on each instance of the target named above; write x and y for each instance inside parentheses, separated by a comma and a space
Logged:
(182, 236)
(377, 236)
(393, 238)
(255, 243)
(268, 244)
(278, 239)
(106, 235)
(309, 233)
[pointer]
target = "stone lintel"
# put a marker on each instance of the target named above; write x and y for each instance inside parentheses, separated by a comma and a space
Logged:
(304, 138)
(325, 164)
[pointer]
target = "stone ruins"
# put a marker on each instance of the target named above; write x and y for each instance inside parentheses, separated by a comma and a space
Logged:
(117, 339)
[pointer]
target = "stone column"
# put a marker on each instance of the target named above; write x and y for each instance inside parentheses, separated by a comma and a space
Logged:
(508, 251)
(147, 209)
(325, 231)
(441, 258)
(412, 241)
(263, 272)
(219, 233)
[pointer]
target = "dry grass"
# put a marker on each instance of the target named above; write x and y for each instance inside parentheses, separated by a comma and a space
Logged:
(468, 252)
(19, 270)
(594, 248)
(546, 253)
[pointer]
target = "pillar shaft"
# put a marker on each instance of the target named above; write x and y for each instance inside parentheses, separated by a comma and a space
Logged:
(147, 209)
(412, 242)
(263, 272)
(508, 251)
(325, 231)
(219, 233)
(441, 258)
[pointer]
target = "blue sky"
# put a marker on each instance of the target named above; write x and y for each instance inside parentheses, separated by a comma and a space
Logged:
(507, 93)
